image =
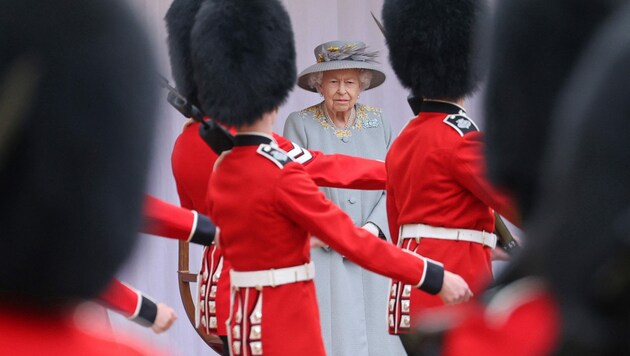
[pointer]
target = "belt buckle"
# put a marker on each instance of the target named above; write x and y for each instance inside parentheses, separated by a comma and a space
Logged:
(308, 273)
(483, 238)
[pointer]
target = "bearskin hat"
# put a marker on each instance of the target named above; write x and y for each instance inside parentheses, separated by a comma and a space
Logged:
(521, 92)
(586, 194)
(430, 43)
(243, 57)
(79, 100)
(180, 19)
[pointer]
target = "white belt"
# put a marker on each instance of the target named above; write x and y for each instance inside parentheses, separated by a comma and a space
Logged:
(273, 277)
(417, 231)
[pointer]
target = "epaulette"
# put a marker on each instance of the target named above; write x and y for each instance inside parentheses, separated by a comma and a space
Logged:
(274, 154)
(407, 124)
(461, 123)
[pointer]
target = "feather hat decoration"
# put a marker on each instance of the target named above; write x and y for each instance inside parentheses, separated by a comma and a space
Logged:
(349, 51)
(343, 54)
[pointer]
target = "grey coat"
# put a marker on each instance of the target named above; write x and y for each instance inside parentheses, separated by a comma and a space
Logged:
(352, 301)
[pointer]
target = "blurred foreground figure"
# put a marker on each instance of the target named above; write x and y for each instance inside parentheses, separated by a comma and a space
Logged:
(521, 93)
(76, 109)
(568, 292)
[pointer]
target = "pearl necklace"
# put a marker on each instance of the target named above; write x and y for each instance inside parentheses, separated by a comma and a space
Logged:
(345, 131)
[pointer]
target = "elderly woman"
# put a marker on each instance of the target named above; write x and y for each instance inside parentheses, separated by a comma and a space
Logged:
(351, 299)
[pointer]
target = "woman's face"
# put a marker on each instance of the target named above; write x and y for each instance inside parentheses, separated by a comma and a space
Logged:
(340, 89)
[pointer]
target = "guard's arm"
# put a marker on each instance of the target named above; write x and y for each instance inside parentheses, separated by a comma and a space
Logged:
(167, 220)
(337, 170)
(129, 302)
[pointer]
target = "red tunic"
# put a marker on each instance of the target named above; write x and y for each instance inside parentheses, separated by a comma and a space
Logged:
(436, 175)
(192, 162)
(34, 333)
(167, 220)
(266, 213)
(525, 321)
(122, 298)
(162, 219)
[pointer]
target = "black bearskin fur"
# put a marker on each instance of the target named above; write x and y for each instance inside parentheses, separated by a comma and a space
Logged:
(180, 19)
(534, 45)
(244, 58)
(72, 173)
(585, 213)
(430, 44)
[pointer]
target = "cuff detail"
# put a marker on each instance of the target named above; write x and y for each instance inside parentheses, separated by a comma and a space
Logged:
(432, 278)
(204, 230)
(146, 312)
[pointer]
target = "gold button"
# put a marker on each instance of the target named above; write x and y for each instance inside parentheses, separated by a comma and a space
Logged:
(406, 291)
(255, 332)
(256, 348)
(404, 306)
(236, 347)
(405, 321)
(256, 317)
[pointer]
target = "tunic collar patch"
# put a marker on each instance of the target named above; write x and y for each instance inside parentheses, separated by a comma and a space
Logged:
(441, 106)
(251, 139)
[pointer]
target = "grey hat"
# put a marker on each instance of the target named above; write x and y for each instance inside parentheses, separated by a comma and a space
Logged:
(342, 54)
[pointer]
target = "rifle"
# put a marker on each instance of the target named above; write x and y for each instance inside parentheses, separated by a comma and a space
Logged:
(216, 136)
(505, 240)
